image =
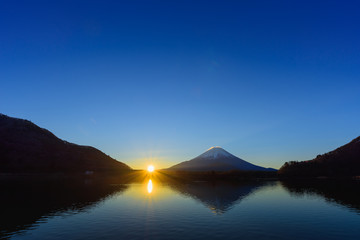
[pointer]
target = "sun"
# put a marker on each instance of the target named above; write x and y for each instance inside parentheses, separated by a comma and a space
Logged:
(150, 168)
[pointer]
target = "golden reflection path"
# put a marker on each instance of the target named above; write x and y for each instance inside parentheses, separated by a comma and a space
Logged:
(149, 186)
(150, 179)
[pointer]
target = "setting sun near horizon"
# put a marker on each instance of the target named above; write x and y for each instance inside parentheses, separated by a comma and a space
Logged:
(150, 168)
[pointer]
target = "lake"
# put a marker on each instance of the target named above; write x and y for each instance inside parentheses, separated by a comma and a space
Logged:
(154, 208)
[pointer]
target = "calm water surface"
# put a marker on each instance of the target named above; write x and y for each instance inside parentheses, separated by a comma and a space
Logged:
(152, 209)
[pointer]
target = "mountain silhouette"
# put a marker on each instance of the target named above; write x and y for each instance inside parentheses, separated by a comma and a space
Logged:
(25, 147)
(217, 159)
(343, 161)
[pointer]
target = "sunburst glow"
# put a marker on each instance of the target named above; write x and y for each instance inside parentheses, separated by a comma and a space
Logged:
(151, 168)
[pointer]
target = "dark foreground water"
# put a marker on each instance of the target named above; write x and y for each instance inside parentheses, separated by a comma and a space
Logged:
(154, 209)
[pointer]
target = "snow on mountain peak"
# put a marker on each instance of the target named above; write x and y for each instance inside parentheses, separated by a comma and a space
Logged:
(214, 147)
(215, 152)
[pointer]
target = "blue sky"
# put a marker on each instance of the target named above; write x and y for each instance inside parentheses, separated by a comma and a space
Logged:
(162, 81)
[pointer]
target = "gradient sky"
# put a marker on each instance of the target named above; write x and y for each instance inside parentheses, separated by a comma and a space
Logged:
(162, 81)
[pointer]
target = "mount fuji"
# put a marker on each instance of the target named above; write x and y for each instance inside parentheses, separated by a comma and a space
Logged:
(217, 159)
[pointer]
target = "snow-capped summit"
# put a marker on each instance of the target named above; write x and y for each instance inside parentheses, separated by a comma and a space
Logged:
(215, 152)
(217, 159)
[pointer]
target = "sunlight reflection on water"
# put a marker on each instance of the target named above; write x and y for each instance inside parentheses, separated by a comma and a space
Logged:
(182, 210)
(149, 186)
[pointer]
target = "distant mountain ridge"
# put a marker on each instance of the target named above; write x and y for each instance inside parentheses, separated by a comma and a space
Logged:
(25, 147)
(343, 161)
(217, 159)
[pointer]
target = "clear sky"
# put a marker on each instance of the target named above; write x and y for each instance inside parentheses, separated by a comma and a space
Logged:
(162, 81)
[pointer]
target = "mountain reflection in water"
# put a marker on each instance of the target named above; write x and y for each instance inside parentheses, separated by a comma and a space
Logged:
(25, 202)
(219, 197)
(161, 206)
(345, 193)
